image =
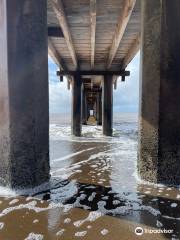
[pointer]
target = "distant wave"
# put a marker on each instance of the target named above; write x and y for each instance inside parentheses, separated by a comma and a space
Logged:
(94, 133)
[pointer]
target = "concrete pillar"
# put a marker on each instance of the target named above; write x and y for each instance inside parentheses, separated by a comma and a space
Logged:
(76, 105)
(159, 139)
(95, 110)
(99, 108)
(107, 105)
(24, 116)
(84, 106)
(88, 111)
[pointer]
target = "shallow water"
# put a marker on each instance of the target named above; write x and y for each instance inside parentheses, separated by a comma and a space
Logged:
(94, 192)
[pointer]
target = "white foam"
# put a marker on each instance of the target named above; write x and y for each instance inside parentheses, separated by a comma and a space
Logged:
(67, 220)
(158, 223)
(90, 198)
(104, 232)
(147, 192)
(105, 198)
(35, 221)
(71, 155)
(1, 225)
(7, 192)
(13, 201)
(172, 218)
(93, 216)
(33, 236)
(80, 234)
(101, 155)
(91, 133)
(150, 209)
(78, 164)
(116, 202)
(173, 205)
(154, 185)
(30, 206)
(60, 232)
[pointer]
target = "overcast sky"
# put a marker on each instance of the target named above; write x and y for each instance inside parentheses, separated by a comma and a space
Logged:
(126, 96)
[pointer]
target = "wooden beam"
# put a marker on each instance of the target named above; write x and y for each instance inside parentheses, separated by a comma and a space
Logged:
(55, 32)
(55, 56)
(58, 60)
(61, 16)
(132, 52)
(121, 27)
(94, 73)
(93, 30)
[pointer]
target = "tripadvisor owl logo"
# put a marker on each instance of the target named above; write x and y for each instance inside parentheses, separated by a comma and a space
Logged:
(139, 231)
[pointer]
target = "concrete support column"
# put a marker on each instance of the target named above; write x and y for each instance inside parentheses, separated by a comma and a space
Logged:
(84, 107)
(99, 108)
(95, 110)
(107, 105)
(88, 111)
(76, 105)
(24, 116)
(159, 139)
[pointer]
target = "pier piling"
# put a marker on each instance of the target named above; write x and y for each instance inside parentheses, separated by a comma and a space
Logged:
(76, 105)
(159, 136)
(24, 103)
(107, 105)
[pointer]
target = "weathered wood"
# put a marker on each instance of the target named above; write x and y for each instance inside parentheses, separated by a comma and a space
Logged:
(55, 32)
(79, 23)
(61, 16)
(121, 27)
(94, 73)
(93, 30)
(132, 52)
(55, 55)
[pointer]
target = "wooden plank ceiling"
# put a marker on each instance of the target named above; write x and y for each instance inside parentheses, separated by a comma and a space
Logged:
(96, 34)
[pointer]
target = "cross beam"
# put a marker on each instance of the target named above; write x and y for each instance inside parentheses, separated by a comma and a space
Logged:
(94, 73)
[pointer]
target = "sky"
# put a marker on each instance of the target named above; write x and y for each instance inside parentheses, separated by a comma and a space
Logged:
(125, 97)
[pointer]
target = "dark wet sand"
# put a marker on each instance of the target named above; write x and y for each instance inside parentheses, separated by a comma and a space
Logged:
(94, 195)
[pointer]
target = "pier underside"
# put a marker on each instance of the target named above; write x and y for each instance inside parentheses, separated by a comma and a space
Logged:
(96, 41)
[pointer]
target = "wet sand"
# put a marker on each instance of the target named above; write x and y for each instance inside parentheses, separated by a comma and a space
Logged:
(94, 194)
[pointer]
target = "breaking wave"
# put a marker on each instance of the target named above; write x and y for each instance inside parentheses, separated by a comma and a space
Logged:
(94, 133)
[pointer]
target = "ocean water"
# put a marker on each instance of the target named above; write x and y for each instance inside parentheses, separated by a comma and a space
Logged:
(94, 192)
(124, 125)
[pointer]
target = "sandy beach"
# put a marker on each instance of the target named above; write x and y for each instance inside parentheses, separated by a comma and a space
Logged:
(94, 192)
